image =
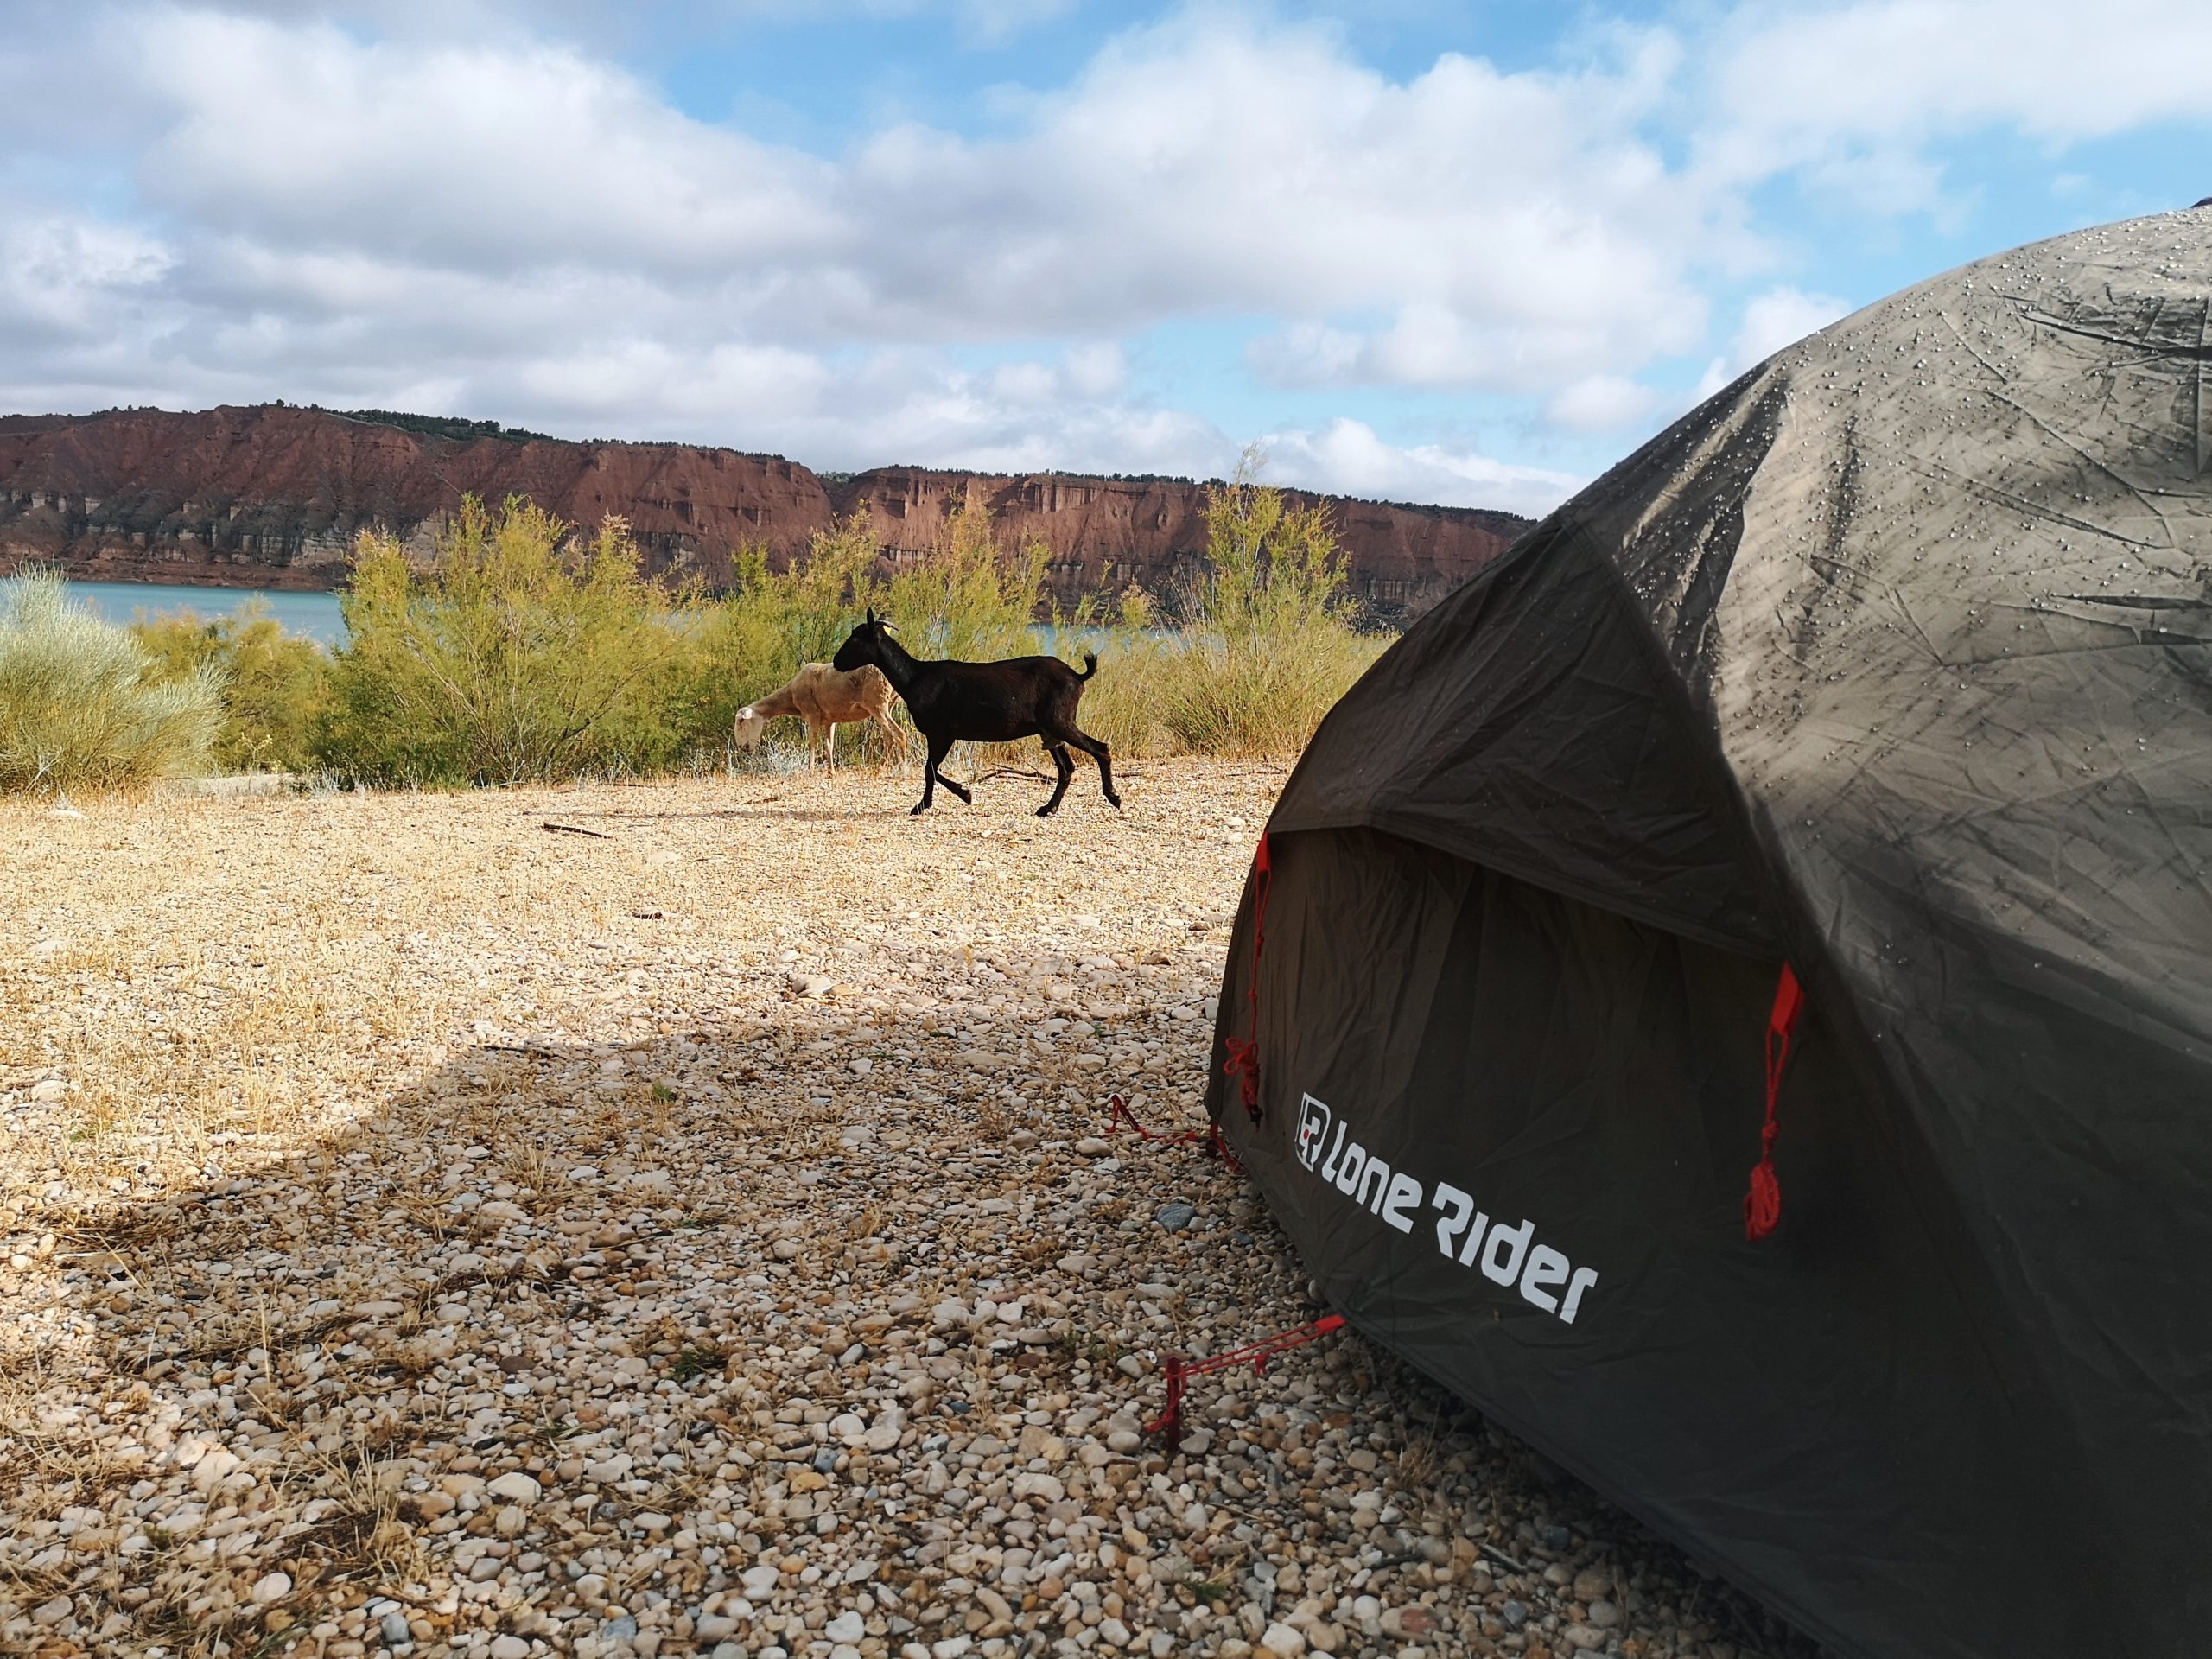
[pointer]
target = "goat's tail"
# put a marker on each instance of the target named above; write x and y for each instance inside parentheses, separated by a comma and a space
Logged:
(1090, 664)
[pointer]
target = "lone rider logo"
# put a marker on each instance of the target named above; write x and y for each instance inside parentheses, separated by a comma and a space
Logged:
(1506, 1256)
(1313, 1130)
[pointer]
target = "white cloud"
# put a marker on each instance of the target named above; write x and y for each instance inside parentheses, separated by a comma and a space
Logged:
(71, 276)
(1600, 403)
(1780, 317)
(437, 202)
(1853, 92)
(1348, 457)
(1513, 229)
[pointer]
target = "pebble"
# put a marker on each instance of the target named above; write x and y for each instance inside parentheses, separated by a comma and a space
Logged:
(516, 1487)
(668, 1311)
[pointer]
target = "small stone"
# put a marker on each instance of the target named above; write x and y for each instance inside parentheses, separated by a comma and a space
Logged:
(517, 1488)
(848, 1626)
(1124, 1441)
(271, 1586)
(46, 1093)
(393, 1628)
(1514, 1614)
(1177, 1216)
(510, 1646)
(1091, 1147)
(619, 1629)
(1282, 1640)
(1582, 1639)
(1114, 1633)
(51, 1612)
(1591, 1583)
(1604, 1614)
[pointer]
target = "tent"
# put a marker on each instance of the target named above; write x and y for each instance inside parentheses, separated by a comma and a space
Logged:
(1841, 761)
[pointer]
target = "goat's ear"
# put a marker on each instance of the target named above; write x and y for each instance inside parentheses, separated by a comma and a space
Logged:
(871, 616)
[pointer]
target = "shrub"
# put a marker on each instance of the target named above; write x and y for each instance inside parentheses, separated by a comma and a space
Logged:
(275, 685)
(518, 656)
(83, 706)
(1266, 645)
(971, 597)
(739, 648)
(974, 597)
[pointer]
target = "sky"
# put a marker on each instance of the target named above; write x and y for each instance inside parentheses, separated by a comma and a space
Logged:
(1469, 254)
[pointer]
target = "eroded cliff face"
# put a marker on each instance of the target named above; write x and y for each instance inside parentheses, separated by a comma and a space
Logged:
(274, 496)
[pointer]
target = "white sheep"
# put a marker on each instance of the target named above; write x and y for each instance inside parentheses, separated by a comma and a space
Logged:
(825, 698)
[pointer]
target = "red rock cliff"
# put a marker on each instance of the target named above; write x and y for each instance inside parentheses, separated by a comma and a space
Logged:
(274, 496)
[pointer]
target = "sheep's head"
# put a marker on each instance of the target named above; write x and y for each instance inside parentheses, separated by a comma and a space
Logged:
(750, 725)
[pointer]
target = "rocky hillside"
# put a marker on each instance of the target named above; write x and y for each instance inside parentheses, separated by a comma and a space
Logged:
(273, 496)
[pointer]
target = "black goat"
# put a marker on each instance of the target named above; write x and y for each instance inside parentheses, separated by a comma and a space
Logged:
(984, 702)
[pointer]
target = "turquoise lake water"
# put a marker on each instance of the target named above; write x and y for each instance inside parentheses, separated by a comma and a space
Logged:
(315, 615)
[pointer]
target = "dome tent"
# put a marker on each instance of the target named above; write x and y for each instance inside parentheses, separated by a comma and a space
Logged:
(1886, 673)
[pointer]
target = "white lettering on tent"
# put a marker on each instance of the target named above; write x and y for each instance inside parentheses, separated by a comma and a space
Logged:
(1505, 1255)
(1313, 1129)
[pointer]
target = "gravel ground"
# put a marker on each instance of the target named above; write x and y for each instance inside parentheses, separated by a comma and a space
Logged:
(426, 1230)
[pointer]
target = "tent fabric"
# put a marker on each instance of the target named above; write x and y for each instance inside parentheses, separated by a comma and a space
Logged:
(1892, 661)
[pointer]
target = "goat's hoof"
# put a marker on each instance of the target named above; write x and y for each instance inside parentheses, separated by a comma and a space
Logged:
(1114, 801)
(1047, 811)
(917, 811)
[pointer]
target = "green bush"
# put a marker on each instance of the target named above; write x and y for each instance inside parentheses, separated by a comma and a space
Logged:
(739, 648)
(275, 685)
(1266, 644)
(974, 598)
(523, 655)
(518, 656)
(83, 706)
